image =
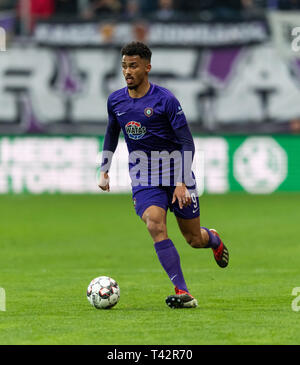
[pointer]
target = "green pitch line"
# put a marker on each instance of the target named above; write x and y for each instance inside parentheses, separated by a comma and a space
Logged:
(52, 246)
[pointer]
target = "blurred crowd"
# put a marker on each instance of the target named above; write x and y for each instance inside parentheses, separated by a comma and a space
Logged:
(129, 9)
(27, 12)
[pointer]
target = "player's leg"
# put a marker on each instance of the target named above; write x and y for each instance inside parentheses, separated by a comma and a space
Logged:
(202, 237)
(188, 219)
(152, 205)
(194, 235)
(155, 220)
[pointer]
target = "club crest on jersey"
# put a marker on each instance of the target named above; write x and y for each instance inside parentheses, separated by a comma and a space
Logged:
(148, 112)
(135, 130)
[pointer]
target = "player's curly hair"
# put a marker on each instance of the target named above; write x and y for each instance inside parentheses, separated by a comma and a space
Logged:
(137, 49)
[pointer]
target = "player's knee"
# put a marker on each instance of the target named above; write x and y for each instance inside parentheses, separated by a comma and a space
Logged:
(155, 227)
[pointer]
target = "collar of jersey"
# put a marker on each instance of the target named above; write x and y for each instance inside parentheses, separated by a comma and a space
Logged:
(151, 88)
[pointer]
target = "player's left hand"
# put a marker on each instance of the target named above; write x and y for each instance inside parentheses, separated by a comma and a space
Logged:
(183, 196)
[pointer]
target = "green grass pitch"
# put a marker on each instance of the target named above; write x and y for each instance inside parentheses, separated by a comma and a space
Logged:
(53, 245)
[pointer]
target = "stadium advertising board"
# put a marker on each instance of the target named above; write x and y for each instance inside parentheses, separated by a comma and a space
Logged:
(257, 165)
(196, 34)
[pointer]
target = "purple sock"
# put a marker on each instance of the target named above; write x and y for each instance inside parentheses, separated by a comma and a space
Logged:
(170, 261)
(214, 241)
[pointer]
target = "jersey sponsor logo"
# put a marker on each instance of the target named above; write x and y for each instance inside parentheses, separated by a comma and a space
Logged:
(135, 130)
(148, 112)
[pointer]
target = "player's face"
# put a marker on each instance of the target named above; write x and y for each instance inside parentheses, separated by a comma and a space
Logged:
(135, 70)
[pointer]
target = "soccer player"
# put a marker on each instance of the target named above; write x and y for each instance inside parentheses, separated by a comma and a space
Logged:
(154, 125)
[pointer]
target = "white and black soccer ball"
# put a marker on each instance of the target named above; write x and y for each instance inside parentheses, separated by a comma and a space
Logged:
(103, 292)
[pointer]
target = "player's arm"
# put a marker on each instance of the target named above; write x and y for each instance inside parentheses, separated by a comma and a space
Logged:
(110, 144)
(185, 139)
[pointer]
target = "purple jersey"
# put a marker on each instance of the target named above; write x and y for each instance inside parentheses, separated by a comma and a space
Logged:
(149, 123)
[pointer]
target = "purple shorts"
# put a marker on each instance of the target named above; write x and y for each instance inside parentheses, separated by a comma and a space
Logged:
(161, 196)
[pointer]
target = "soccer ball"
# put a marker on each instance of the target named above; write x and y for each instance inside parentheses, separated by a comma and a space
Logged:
(103, 292)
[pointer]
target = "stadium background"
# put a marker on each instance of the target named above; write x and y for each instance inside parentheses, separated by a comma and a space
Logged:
(235, 67)
(232, 67)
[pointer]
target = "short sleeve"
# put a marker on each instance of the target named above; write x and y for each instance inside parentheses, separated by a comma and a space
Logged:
(175, 113)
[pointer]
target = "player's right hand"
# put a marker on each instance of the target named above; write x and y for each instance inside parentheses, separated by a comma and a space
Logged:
(104, 181)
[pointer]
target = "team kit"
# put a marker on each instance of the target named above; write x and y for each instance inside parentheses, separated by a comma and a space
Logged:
(161, 152)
